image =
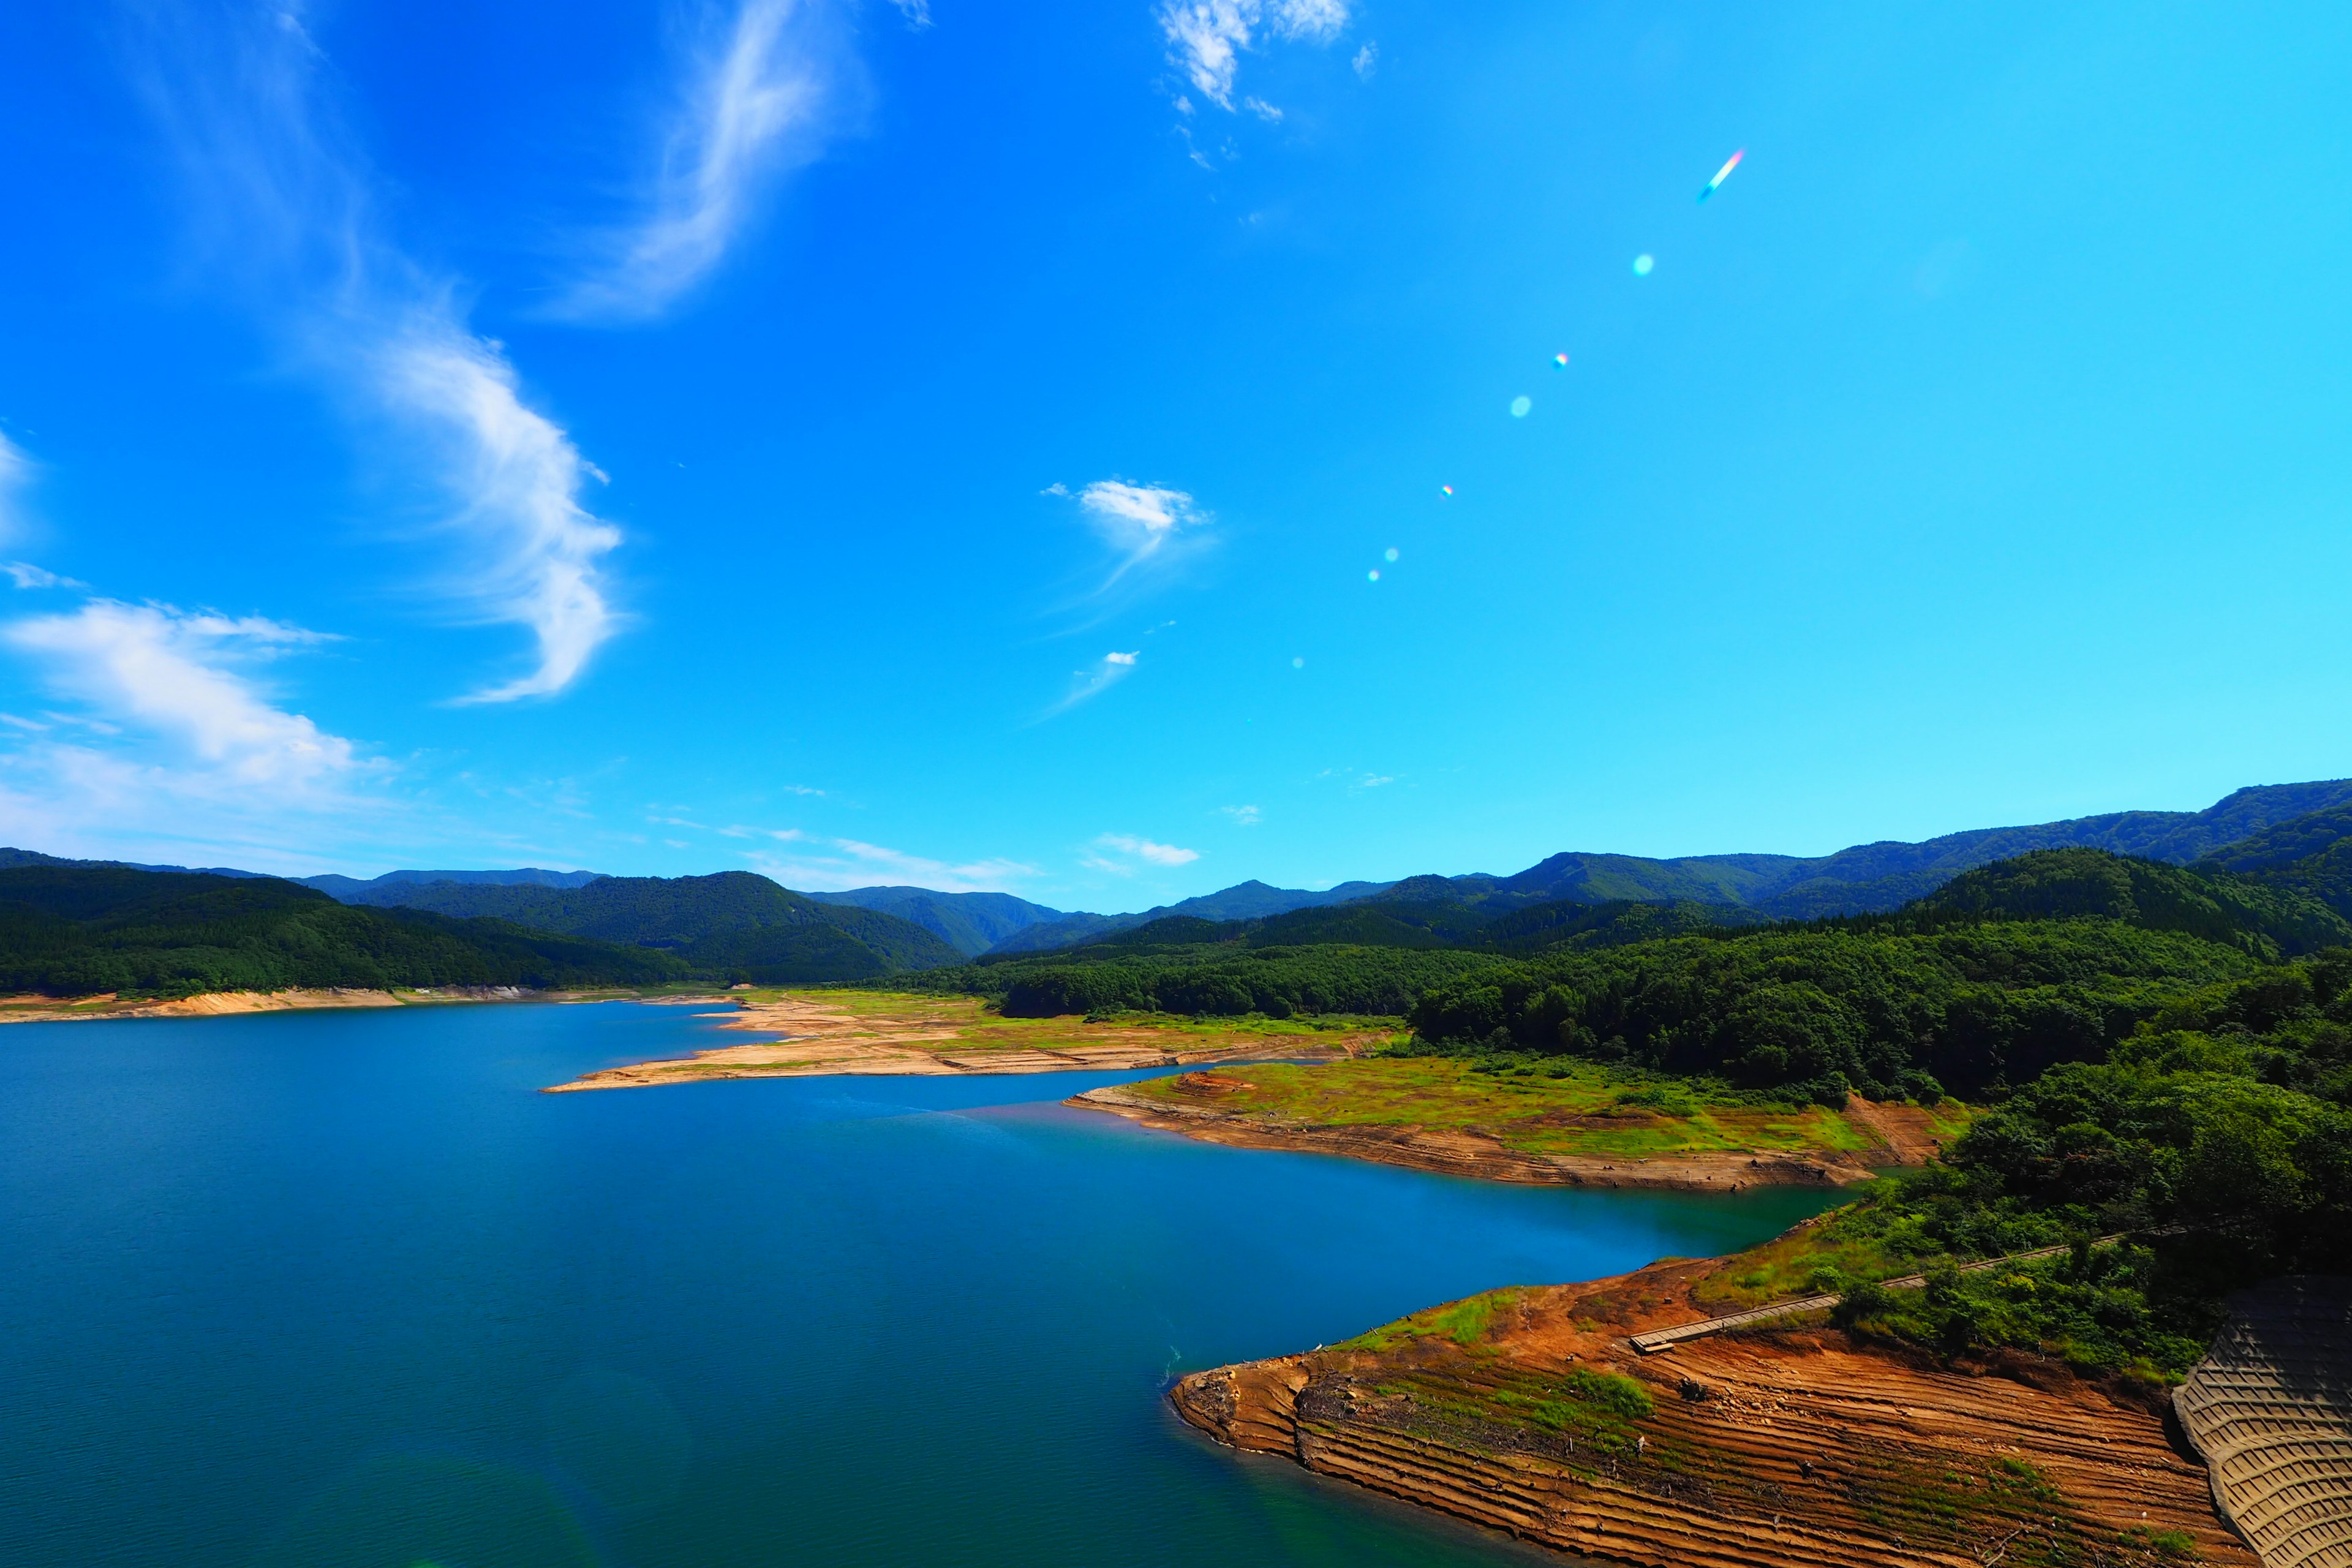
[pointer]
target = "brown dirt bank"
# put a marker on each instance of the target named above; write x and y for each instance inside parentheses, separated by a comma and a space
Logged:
(32, 1009)
(824, 1033)
(1798, 1447)
(1467, 1152)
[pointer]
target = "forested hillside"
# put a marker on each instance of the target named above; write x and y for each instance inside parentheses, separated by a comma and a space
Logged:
(733, 925)
(972, 924)
(67, 931)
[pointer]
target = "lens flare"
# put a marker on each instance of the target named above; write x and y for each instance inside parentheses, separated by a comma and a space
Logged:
(1447, 489)
(1298, 664)
(1643, 263)
(1723, 173)
(1390, 552)
(1560, 360)
(1520, 407)
(1373, 575)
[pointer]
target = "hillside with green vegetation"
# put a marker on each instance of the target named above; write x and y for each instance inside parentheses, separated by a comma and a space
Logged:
(733, 926)
(972, 924)
(69, 931)
(2216, 1137)
(2310, 855)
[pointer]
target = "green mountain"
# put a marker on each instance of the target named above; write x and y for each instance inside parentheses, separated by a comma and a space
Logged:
(2218, 906)
(67, 931)
(384, 890)
(2311, 854)
(1242, 900)
(972, 924)
(1861, 880)
(1426, 923)
(1868, 877)
(732, 925)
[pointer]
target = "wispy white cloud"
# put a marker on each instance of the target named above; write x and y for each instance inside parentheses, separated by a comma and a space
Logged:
(281, 198)
(1207, 37)
(15, 473)
(916, 11)
(171, 675)
(1367, 61)
(762, 97)
(849, 863)
(24, 574)
(1144, 526)
(1087, 684)
(1245, 816)
(517, 479)
(1146, 851)
(177, 742)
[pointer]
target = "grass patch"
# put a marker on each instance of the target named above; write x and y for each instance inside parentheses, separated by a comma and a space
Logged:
(1554, 1105)
(1466, 1322)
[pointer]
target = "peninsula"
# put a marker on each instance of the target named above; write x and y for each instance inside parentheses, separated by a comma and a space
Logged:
(813, 1033)
(1573, 1123)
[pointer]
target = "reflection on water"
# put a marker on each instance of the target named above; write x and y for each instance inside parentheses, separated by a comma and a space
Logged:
(341, 1290)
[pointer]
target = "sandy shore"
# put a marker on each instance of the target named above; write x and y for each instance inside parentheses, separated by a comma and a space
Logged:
(223, 1004)
(820, 1034)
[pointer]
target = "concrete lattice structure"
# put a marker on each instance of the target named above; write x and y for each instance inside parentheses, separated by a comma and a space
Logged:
(2269, 1407)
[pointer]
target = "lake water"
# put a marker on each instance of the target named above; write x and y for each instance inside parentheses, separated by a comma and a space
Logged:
(317, 1290)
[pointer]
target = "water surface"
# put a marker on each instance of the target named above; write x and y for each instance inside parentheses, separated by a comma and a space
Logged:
(339, 1289)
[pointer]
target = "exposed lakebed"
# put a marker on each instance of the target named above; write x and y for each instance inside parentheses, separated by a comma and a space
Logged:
(341, 1288)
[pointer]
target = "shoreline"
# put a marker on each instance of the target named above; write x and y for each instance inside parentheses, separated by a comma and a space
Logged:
(1478, 1153)
(1787, 1448)
(230, 1004)
(837, 1033)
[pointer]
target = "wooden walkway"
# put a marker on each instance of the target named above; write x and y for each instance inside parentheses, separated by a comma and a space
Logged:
(1666, 1339)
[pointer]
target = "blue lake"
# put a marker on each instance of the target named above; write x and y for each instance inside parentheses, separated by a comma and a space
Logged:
(318, 1289)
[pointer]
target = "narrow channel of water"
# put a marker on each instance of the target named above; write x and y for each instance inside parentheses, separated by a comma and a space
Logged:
(320, 1289)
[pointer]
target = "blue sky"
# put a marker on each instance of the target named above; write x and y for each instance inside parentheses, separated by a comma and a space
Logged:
(953, 444)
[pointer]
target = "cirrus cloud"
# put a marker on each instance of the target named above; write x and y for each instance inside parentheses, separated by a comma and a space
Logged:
(280, 199)
(762, 98)
(1207, 37)
(1146, 851)
(833, 865)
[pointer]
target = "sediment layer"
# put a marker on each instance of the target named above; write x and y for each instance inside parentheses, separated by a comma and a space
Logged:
(1796, 1448)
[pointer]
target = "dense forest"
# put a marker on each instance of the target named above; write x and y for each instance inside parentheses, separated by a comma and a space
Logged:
(2217, 1135)
(74, 931)
(732, 926)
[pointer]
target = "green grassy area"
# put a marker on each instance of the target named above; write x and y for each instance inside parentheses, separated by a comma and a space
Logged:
(1561, 1107)
(979, 1026)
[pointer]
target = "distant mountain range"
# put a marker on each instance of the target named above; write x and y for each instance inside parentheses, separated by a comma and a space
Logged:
(392, 887)
(733, 925)
(972, 924)
(2297, 835)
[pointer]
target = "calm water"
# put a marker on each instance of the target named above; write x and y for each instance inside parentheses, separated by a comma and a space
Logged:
(320, 1289)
